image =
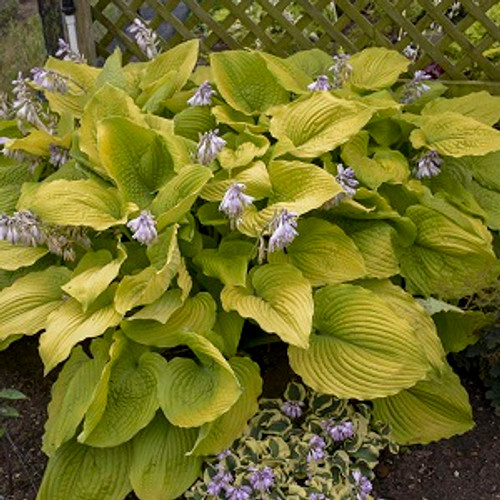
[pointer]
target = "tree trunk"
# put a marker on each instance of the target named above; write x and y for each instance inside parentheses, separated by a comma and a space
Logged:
(50, 12)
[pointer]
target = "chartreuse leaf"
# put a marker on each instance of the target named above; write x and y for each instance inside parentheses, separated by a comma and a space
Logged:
(134, 157)
(125, 400)
(484, 169)
(176, 198)
(75, 203)
(72, 394)
(255, 178)
(311, 127)
(70, 324)
(489, 201)
(86, 473)
(296, 186)
(289, 75)
(84, 78)
(107, 102)
(161, 468)
(93, 274)
(161, 309)
(452, 254)
(245, 82)
(193, 393)
(26, 304)
(193, 121)
(435, 408)
(38, 143)
(361, 349)
(226, 332)
(278, 298)
(452, 134)
(13, 257)
(323, 253)
(241, 149)
(312, 62)
(376, 68)
(218, 435)
(228, 262)
(112, 73)
(197, 314)
(481, 106)
(237, 120)
(150, 283)
(405, 306)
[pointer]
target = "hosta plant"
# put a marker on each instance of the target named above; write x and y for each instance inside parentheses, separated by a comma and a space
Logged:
(159, 217)
(307, 445)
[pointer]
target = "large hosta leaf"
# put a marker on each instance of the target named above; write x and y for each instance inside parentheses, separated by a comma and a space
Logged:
(279, 298)
(324, 254)
(245, 82)
(241, 149)
(13, 257)
(452, 134)
(435, 408)
(451, 257)
(362, 348)
(86, 473)
(75, 203)
(161, 309)
(72, 394)
(318, 124)
(220, 434)
(193, 393)
(376, 68)
(481, 106)
(197, 314)
(161, 469)
(135, 157)
(296, 186)
(93, 274)
(126, 399)
(70, 324)
(26, 304)
(228, 262)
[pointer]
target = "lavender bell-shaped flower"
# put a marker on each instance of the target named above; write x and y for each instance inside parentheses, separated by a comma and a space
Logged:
(203, 95)
(220, 482)
(292, 409)
(239, 493)
(416, 88)
(341, 69)
(317, 496)
(317, 449)
(50, 80)
(24, 105)
(283, 230)
(145, 37)
(338, 432)
(68, 54)
(261, 480)
(58, 155)
(234, 202)
(363, 485)
(321, 83)
(209, 146)
(347, 180)
(428, 165)
(144, 228)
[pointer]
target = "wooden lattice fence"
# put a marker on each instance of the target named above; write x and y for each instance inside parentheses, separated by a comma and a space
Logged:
(463, 38)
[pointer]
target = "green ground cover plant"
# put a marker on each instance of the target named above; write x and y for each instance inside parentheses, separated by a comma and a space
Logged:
(160, 217)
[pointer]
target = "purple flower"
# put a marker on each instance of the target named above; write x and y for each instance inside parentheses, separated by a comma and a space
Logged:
(283, 230)
(67, 53)
(144, 228)
(416, 88)
(221, 481)
(363, 485)
(58, 155)
(428, 165)
(239, 493)
(262, 480)
(292, 409)
(346, 178)
(202, 96)
(209, 146)
(321, 83)
(340, 69)
(224, 454)
(317, 496)
(339, 432)
(50, 80)
(317, 450)
(234, 202)
(145, 37)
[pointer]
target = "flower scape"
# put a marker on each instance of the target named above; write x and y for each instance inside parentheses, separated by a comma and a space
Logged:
(162, 221)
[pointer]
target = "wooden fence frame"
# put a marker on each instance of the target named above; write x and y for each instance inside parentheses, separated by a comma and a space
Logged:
(333, 34)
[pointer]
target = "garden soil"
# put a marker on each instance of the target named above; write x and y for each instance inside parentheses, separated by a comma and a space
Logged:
(462, 468)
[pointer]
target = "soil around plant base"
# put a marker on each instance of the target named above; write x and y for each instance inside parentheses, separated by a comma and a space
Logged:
(465, 467)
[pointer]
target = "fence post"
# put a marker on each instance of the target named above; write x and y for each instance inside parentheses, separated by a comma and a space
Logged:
(84, 30)
(50, 13)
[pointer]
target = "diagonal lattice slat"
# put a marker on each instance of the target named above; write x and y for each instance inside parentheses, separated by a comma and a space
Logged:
(439, 29)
